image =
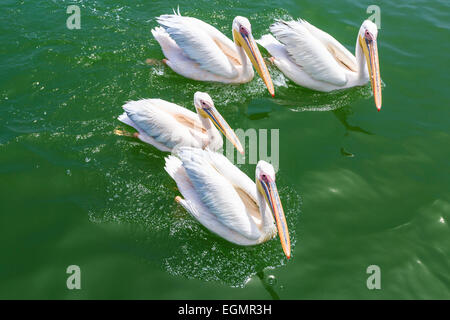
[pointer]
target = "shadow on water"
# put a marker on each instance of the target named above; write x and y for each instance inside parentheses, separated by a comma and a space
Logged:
(339, 102)
(342, 114)
(307, 100)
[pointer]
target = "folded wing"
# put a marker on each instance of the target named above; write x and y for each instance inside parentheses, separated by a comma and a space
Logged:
(159, 120)
(217, 193)
(198, 40)
(308, 51)
(339, 52)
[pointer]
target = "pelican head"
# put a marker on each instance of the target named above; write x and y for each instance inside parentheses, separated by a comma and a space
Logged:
(206, 109)
(368, 41)
(242, 35)
(265, 182)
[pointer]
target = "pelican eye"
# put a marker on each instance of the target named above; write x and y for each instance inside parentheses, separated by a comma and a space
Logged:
(368, 35)
(264, 178)
(243, 31)
(205, 106)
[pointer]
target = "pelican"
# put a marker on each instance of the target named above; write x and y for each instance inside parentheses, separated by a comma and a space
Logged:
(226, 201)
(313, 59)
(197, 50)
(166, 125)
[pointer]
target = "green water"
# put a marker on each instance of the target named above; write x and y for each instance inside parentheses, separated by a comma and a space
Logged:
(359, 187)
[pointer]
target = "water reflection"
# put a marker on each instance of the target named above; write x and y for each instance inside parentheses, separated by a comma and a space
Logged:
(268, 283)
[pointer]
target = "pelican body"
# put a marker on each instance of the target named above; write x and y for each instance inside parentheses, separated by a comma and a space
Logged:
(226, 201)
(166, 125)
(314, 59)
(197, 50)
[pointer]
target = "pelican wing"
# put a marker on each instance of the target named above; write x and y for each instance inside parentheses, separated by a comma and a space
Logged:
(163, 121)
(216, 192)
(307, 51)
(235, 176)
(339, 52)
(199, 41)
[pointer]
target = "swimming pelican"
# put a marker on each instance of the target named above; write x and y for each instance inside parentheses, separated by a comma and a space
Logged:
(199, 51)
(166, 125)
(313, 59)
(226, 201)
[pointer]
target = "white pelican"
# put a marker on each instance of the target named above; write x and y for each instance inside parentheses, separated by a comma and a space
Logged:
(313, 59)
(226, 201)
(199, 51)
(166, 125)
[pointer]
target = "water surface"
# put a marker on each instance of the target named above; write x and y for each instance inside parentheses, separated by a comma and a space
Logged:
(359, 187)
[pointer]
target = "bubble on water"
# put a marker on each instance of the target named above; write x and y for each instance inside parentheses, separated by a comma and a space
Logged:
(271, 280)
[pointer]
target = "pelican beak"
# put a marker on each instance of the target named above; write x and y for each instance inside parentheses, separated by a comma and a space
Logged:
(246, 41)
(369, 45)
(214, 115)
(269, 189)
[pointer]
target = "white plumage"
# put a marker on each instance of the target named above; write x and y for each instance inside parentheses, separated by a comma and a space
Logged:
(314, 59)
(166, 125)
(222, 198)
(156, 122)
(309, 52)
(197, 50)
(199, 41)
(207, 181)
